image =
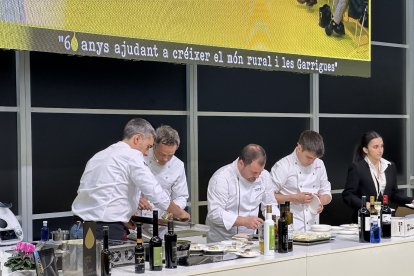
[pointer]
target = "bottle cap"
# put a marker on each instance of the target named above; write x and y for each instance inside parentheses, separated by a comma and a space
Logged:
(105, 227)
(45, 223)
(385, 199)
(269, 209)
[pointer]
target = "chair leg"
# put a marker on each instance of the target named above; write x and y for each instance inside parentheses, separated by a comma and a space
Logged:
(364, 16)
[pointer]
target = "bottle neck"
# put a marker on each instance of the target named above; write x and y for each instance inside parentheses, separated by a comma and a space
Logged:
(106, 239)
(170, 226)
(155, 223)
(363, 203)
(269, 216)
(385, 200)
(139, 234)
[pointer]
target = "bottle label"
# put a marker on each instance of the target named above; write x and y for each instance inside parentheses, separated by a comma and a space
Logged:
(272, 237)
(173, 252)
(386, 218)
(139, 262)
(290, 232)
(367, 223)
(157, 256)
(374, 219)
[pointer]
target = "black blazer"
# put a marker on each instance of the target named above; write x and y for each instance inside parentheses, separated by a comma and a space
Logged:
(360, 183)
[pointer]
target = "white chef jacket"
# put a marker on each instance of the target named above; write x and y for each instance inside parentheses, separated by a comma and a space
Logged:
(109, 187)
(291, 177)
(171, 177)
(230, 195)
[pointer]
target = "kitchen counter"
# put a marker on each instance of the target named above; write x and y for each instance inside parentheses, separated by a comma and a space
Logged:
(342, 256)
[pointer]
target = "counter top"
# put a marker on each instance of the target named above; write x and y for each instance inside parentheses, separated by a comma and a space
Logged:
(304, 260)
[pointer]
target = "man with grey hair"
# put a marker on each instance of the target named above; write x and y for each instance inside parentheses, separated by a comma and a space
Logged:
(113, 179)
(301, 176)
(169, 172)
(235, 193)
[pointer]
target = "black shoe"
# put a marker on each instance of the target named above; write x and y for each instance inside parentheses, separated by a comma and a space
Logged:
(338, 29)
(329, 28)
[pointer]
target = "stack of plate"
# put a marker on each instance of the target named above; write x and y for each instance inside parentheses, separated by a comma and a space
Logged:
(348, 229)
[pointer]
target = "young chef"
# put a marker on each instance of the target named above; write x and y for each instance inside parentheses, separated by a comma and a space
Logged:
(300, 176)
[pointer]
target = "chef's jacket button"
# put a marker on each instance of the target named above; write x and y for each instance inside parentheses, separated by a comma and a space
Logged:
(300, 172)
(313, 186)
(296, 163)
(301, 186)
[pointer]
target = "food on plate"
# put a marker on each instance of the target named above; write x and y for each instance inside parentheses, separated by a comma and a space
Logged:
(197, 247)
(308, 237)
(215, 247)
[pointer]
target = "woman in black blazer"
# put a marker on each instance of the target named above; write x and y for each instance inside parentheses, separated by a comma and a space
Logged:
(372, 175)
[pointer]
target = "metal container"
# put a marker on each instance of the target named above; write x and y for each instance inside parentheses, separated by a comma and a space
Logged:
(60, 235)
(183, 251)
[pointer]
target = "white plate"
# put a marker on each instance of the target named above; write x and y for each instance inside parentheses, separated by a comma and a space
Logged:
(336, 228)
(197, 247)
(241, 236)
(248, 254)
(409, 205)
(347, 232)
(349, 226)
(314, 205)
(321, 227)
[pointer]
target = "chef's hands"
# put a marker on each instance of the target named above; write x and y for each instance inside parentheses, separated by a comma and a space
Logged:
(249, 222)
(303, 198)
(144, 204)
(184, 216)
(177, 212)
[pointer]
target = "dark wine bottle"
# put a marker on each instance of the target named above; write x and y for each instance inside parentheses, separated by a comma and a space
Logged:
(386, 218)
(139, 252)
(364, 221)
(282, 235)
(170, 240)
(155, 245)
(289, 220)
(105, 254)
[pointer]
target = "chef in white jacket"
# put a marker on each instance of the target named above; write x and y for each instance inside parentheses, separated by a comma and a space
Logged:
(169, 172)
(301, 176)
(113, 178)
(235, 192)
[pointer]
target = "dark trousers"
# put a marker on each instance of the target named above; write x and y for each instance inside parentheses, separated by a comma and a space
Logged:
(117, 230)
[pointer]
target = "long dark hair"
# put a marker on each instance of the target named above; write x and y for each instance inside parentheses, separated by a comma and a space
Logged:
(359, 153)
